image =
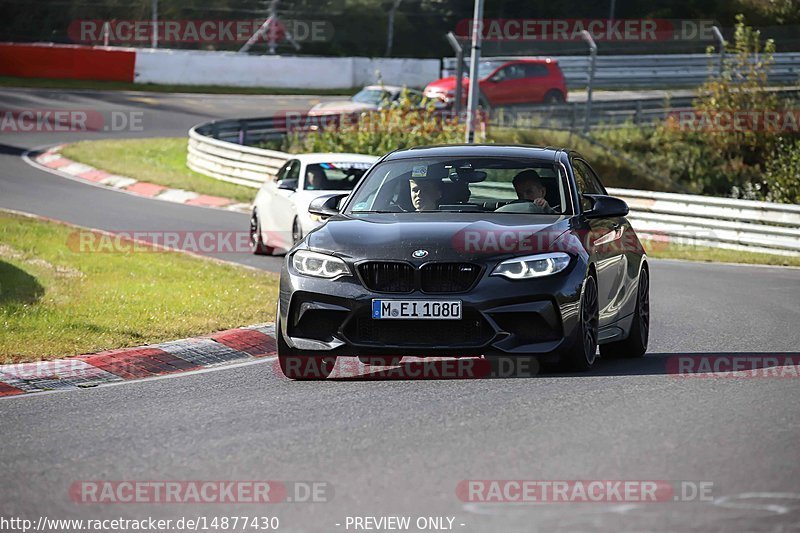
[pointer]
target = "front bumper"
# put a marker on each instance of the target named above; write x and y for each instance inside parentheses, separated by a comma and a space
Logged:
(499, 316)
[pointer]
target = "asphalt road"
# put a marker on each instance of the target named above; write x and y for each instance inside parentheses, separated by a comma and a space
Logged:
(400, 447)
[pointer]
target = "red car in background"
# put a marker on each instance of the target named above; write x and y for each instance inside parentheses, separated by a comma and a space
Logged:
(522, 81)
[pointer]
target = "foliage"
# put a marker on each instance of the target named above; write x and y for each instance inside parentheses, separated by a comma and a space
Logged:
(707, 151)
(375, 133)
(783, 172)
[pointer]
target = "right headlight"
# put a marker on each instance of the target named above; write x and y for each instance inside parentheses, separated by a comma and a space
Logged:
(319, 265)
(532, 266)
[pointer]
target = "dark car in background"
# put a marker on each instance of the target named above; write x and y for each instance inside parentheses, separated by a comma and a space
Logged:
(436, 254)
(518, 82)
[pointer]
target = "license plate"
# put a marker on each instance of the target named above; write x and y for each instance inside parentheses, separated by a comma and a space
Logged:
(417, 309)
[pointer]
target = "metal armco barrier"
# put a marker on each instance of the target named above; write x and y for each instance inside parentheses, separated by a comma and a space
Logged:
(655, 71)
(214, 150)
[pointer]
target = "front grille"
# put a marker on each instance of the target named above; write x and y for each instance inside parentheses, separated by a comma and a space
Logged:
(471, 330)
(386, 276)
(448, 277)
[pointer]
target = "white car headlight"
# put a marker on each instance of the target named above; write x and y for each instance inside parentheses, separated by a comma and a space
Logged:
(319, 265)
(532, 266)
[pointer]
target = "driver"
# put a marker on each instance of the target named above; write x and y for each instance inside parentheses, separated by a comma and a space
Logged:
(529, 187)
(425, 194)
(316, 179)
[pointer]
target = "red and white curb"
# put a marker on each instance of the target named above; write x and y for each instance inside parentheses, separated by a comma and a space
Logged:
(53, 161)
(225, 347)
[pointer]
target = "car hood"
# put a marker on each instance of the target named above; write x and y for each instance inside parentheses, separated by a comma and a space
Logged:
(460, 237)
(445, 84)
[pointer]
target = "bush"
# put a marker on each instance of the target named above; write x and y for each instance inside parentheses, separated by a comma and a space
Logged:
(402, 125)
(782, 174)
(752, 161)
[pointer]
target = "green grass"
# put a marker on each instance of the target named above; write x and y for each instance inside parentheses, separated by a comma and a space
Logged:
(660, 250)
(56, 301)
(159, 160)
(41, 83)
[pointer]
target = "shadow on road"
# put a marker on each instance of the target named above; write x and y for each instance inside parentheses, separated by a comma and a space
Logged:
(679, 365)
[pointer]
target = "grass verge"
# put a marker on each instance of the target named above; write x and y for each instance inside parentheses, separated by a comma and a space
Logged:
(660, 250)
(41, 83)
(159, 160)
(56, 302)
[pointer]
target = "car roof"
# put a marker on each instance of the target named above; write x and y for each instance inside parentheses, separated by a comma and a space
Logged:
(477, 150)
(537, 60)
(389, 88)
(333, 157)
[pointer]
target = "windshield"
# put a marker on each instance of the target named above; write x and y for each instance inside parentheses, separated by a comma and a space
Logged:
(498, 185)
(334, 176)
(372, 96)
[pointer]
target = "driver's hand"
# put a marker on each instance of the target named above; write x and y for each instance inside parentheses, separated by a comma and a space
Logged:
(541, 202)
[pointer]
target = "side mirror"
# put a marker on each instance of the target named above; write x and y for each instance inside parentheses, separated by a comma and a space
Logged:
(288, 185)
(326, 206)
(605, 206)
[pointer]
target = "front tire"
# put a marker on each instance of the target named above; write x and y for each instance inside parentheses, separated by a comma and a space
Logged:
(583, 353)
(297, 231)
(257, 244)
(301, 367)
(636, 344)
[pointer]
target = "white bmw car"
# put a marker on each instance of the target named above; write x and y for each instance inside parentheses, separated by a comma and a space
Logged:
(280, 216)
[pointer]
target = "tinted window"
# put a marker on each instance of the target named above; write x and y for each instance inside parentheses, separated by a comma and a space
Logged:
(535, 71)
(593, 185)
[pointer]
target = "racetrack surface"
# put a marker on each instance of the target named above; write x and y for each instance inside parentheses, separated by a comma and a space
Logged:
(400, 447)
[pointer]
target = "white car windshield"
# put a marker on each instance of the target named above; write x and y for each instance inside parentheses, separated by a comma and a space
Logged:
(374, 97)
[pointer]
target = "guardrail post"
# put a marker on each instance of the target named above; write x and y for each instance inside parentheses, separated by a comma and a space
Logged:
(721, 39)
(459, 50)
(637, 116)
(592, 64)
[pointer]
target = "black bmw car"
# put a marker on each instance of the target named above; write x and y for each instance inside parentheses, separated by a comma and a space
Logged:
(466, 250)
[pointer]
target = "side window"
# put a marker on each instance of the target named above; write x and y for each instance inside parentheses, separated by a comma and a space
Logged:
(535, 71)
(592, 181)
(282, 171)
(583, 183)
(293, 172)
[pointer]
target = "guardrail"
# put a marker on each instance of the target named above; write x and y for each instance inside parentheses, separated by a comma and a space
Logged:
(676, 218)
(659, 71)
(218, 149)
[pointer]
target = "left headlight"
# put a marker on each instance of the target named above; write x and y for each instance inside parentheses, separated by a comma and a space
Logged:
(319, 265)
(532, 266)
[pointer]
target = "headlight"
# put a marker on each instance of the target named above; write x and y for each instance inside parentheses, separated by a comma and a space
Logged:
(319, 265)
(532, 266)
